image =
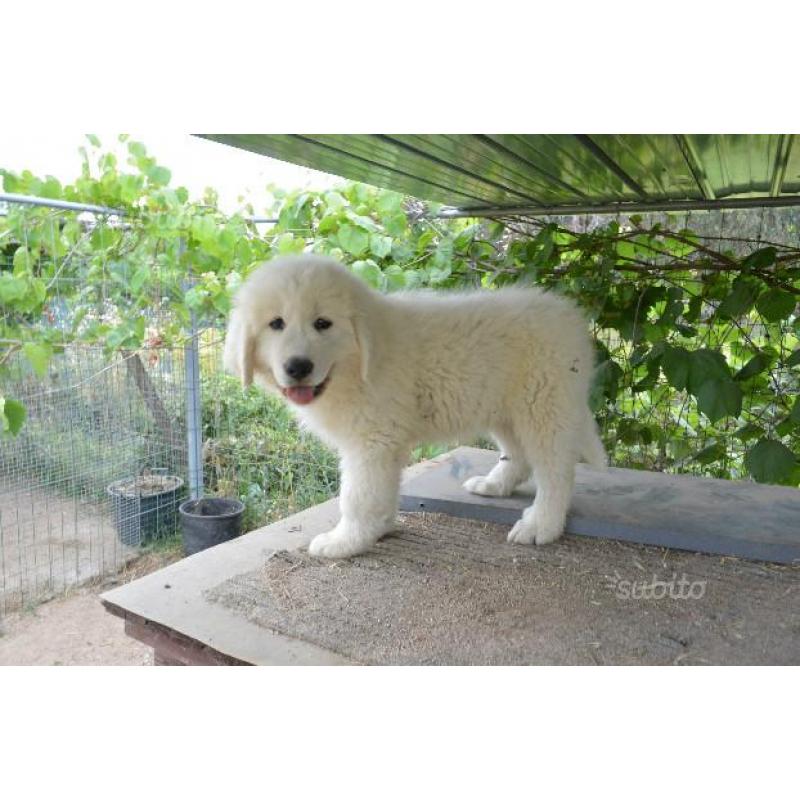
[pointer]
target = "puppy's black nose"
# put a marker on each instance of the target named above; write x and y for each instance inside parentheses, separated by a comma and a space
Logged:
(298, 368)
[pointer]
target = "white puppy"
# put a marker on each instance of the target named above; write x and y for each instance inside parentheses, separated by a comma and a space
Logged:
(373, 375)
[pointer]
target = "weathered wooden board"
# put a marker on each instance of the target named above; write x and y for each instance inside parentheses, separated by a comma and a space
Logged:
(702, 514)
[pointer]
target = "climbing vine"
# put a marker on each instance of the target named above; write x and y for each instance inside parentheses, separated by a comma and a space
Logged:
(697, 335)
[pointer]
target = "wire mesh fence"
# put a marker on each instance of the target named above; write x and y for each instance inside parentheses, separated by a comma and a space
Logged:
(90, 426)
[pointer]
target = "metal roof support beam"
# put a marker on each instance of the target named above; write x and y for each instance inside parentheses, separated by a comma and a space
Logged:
(781, 162)
(692, 159)
(619, 208)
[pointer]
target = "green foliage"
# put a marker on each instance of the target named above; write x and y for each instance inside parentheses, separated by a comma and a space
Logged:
(698, 348)
(254, 450)
(69, 444)
(697, 343)
(675, 363)
(776, 304)
(12, 415)
(740, 300)
(755, 366)
(38, 354)
(770, 461)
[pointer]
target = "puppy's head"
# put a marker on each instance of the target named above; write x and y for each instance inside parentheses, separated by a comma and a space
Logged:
(297, 327)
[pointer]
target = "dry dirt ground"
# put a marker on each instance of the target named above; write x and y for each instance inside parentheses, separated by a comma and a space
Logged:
(76, 629)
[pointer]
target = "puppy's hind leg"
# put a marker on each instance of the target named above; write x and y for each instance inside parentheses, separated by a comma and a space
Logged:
(592, 450)
(554, 471)
(368, 501)
(512, 469)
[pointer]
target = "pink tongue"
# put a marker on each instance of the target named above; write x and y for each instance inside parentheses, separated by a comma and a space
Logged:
(302, 395)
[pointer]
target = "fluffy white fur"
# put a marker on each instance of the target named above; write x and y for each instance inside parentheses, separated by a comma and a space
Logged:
(410, 367)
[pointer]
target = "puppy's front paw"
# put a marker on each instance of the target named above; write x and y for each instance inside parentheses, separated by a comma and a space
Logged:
(531, 530)
(483, 486)
(337, 544)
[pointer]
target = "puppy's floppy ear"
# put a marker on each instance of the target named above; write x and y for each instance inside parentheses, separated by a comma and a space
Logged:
(361, 331)
(237, 357)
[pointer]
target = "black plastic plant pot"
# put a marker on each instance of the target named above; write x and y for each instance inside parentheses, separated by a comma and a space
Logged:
(145, 507)
(209, 521)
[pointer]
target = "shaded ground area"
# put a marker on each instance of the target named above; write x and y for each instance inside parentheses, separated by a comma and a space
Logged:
(77, 630)
(49, 543)
(450, 591)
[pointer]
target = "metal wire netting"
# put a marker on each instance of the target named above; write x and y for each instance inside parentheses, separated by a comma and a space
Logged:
(88, 426)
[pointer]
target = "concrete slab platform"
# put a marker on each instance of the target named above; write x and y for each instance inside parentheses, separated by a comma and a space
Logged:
(706, 515)
(577, 605)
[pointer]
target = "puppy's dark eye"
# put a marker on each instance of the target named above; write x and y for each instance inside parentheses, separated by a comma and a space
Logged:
(322, 324)
(277, 324)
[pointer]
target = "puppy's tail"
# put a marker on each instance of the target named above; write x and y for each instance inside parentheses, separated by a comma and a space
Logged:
(592, 451)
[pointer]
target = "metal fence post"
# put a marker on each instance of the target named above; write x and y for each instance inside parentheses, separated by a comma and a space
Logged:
(194, 424)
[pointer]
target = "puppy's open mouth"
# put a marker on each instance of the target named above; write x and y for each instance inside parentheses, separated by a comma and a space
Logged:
(303, 395)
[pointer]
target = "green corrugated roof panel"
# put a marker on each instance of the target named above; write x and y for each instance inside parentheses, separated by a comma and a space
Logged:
(553, 172)
(576, 168)
(656, 162)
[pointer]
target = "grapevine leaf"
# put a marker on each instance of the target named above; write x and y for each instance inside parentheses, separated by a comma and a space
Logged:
(13, 415)
(757, 364)
(675, 363)
(353, 240)
(776, 304)
(718, 398)
(770, 461)
(39, 355)
(758, 259)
